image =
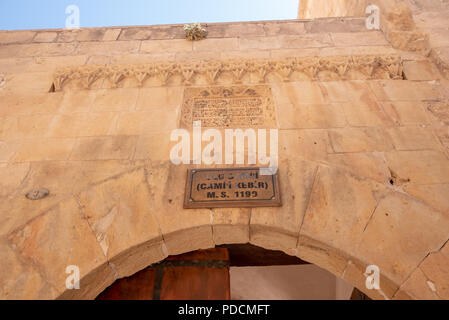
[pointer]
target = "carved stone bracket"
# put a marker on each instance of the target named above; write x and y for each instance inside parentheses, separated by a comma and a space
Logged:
(362, 67)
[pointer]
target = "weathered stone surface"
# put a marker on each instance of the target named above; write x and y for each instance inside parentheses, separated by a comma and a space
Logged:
(367, 165)
(311, 116)
(413, 138)
(434, 195)
(7, 150)
(58, 239)
(420, 70)
(314, 40)
(105, 139)
(399, 229)
(417, 286)
(359, 39)
(45, 37)
(159, 98)
(323, 255)
(228, 44)
(309, 9)
(359, 140)
(44, 150)
(276, 28)
(355, 274)
(335, 25)
(37, 49)
(108, 47)
(104, 148)
(434, 268)
(16, 37)
(11, 177)
(419, 167)
(183, 230)
(308, 144)
(26, 126)
(334, 192)
(406, 112)
(19, 280)
(55, 175)
(178, 45)
(120, 213)
(405, 90)
(298, 92)
(156, 120)
(121, 99)
(230, 225)
(277, 228)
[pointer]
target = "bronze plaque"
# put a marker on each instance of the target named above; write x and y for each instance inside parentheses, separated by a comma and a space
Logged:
(231, 187)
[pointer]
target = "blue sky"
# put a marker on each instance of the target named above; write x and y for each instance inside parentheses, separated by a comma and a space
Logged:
(49, 14)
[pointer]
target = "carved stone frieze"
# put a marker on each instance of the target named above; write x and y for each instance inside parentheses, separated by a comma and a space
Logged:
(361, 67)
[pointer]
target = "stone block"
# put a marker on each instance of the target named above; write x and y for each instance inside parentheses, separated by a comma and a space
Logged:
(120, 214)
(369, 38)
(227, 44)
(155, 146)
(391, 90)
(419, 167)
(45, 37)
(413, 138)
(159, 97)
(166, 46)
(311, 116)
(16, 37)
(104, 148)
(20, 281)
(58, 239)
(309, 144)
(359, 140)
(44, 149)
(406, 113)
(315, 40)
(334, 192)
(280, 225)
(365, 165)
(434, 268)
(399, 228)
(420, 70)
(121, 99)
(108, 47)
(230, 225)
(183, 230)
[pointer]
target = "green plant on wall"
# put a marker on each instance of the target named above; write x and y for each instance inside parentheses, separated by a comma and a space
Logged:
(195, 32)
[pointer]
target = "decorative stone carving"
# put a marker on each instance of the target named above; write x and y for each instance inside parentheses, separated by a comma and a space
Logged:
(360, 67)
(228, 107)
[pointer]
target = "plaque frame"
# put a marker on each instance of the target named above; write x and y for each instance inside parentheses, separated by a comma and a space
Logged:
(189, 203)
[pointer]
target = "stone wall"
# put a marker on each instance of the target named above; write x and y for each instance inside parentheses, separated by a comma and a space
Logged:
(312, 9)
(88, 114)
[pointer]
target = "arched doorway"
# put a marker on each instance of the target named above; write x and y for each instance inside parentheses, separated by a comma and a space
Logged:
(232, 272)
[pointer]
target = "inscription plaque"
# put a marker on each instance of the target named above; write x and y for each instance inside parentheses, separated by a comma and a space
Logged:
(229, 107)
(230, 188)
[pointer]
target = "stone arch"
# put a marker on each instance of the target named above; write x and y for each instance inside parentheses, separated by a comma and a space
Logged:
(126, 222)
